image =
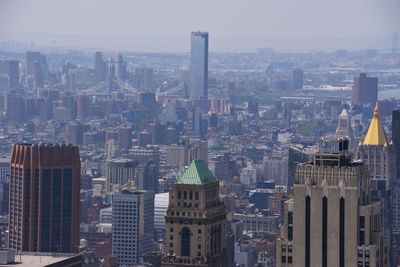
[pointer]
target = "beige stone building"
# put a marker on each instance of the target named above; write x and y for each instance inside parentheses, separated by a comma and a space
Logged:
(195, 221)
(330, 220)
(378, 154)
(183, 155)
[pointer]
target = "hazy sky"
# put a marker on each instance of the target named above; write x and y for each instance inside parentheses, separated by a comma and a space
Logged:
(232, 23)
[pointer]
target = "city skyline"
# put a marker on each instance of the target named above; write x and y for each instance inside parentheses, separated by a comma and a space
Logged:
(245, 27)
(224, 133)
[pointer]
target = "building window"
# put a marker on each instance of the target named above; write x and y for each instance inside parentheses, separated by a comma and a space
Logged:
(290, 226)
(185, 243)
(362, 230)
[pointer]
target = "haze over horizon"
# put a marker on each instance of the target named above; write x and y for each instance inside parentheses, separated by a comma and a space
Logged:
(165, 26)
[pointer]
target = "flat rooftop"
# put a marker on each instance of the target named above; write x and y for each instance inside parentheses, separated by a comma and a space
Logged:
(38, 260)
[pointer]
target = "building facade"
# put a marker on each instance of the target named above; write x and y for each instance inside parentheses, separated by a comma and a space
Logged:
(365, 90)
(378, 154)
(4, 169)
(330, 220)
(44, 198)
(195, 221)
(297, 79)
(132, 225)
(119, 172)
(199, 65)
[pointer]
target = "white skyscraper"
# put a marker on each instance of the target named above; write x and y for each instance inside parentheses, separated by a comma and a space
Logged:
(132, 225)
(199, 65)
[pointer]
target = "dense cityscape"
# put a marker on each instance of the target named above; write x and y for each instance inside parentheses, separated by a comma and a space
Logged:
(201, 158)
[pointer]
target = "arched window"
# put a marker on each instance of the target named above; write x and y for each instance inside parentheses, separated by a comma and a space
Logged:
(185, 242)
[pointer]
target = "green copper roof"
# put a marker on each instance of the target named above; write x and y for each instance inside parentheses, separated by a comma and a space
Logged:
(197, 173)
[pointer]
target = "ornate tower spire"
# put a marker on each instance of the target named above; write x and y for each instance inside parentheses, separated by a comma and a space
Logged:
(376, 133)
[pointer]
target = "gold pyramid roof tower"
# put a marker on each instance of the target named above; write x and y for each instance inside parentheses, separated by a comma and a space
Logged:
(376, 134)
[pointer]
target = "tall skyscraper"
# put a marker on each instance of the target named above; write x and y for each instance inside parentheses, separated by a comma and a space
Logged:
(31, 58)
(4, 170)
(395, 193)
(330, 220)
(13, 73)
(297, 79)
(147, 176)
(148, 169)
(365, 90)
(83, 105)
(99, 67)
(199, 65)
(4, 182)
(4, 197)
(38, 77)
(120, 67)
(119, 172)
(199, 123)
(44, 198)
(132, 225)
(125, 137)
(14, 107)
(195, 221)
(145, 79)
(296, 155)
(378, 154)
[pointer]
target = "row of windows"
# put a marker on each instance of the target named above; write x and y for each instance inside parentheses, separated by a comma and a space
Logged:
(184, 213)
(188, 205)
(361, 253)
(182, 222)
(188, 195)
(289, 259)
(289, 248)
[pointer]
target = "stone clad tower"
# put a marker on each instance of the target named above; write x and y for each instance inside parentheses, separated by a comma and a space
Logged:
(344, 127)
(195, 221)
(378, 154)
(330, 221)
